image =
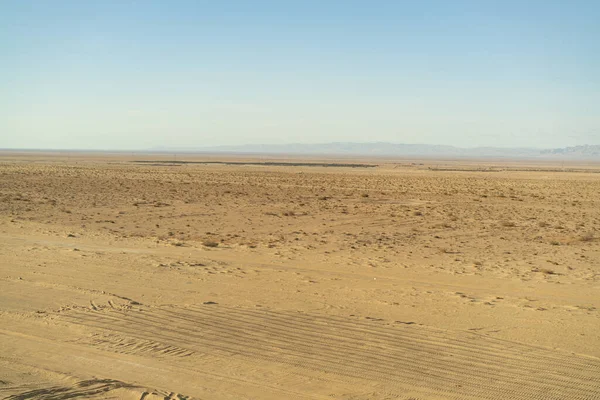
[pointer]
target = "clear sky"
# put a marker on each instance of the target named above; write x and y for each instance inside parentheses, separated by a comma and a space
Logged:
(140, 74)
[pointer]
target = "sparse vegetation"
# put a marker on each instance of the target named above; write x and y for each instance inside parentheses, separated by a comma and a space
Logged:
(588, 237)
(281, 238)
(545, 271)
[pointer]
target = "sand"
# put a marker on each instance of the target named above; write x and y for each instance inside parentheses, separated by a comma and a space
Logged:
(416, 279)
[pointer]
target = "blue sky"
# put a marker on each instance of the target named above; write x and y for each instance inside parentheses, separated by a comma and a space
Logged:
(141, 74)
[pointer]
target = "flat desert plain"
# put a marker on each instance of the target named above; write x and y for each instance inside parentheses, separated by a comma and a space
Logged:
(403, 280)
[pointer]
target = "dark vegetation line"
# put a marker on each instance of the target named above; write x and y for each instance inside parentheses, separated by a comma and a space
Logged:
(515, 169)
(266, 163)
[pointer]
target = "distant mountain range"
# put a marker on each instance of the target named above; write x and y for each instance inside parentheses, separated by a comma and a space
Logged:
(406, 150)
(576, 151)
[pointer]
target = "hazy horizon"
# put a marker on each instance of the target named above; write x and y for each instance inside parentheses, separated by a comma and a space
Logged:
(194, 147)
(142, 75)
(317, 148)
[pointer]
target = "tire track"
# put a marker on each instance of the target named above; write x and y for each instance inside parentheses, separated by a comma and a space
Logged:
(237, 339)
(129, 345)
(507, 347)
(415, 361)
(406, 333)
(419, 347)
(455, 365)
(383, 361)
(93, 388)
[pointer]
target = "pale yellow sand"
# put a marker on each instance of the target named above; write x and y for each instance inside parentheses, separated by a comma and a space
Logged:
(122, 280)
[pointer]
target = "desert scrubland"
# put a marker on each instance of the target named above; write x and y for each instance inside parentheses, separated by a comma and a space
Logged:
(401, 280)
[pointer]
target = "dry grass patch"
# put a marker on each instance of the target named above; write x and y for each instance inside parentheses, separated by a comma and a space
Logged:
(545, 271)
(588, 237)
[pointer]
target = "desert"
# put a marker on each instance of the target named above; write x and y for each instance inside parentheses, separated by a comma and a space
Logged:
(154, 276)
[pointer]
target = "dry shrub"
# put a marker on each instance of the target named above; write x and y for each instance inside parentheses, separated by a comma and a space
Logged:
(547, 271)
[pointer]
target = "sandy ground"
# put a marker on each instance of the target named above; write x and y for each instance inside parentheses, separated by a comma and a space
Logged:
(412, 280)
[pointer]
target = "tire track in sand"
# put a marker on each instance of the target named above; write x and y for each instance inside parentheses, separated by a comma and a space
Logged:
(455, 365)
